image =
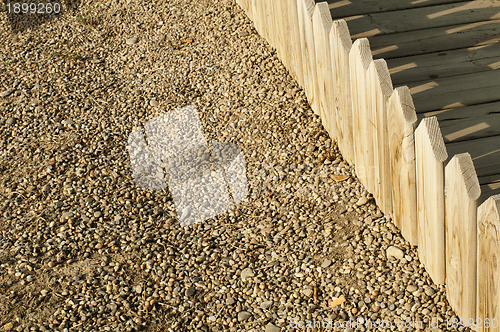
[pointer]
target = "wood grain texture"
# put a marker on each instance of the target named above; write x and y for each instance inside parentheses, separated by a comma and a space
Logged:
(340, 46)
(462, 191)
(488, 261)
(294, 50)
(435, 39)
(305, 9)
(359, 60)
(373, 24)
(322, 25)
(485, 153)
(456, 91)
(468, 122)
(444, 64)
(401, 125)
(344, 8)
(381, 91)
(430, 153)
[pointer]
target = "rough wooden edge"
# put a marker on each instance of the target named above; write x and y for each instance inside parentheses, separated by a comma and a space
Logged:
(462, 191)
(402, 120)
(436, 139)
(429, 157)
(343, 33)
(488, 261)
(384, 77)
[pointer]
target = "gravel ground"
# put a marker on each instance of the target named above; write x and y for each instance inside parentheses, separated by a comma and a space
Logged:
(82, 248)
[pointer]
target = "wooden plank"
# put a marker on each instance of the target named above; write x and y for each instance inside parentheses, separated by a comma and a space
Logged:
(430, 153)
(488, 258)
(490, 186)
(322, 24)
(488, 190)
(456, 91)
(401, 125)
(258, 16)
(462, 191)
(340, 46)
(283, 33)
(305, 10)
(373, 24)
(381, 91)
(469, 122)
(485, 153)
(435, 39)
(270, 22)
(294, 41)
(344, 8)
(444, 64)
(360, 58)
(248, 8)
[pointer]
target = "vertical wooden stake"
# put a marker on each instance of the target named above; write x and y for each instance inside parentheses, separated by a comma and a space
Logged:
(340, 46)
(322, 24)
(305, 10)
(462, 191)
(488, 263)
(401, 125)
(360, 58)
(430, 153)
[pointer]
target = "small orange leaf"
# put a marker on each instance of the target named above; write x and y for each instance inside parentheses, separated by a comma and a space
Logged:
(337, 301)
(339, 177)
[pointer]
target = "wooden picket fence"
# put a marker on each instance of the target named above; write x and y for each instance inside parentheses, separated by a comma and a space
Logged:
(434, 205)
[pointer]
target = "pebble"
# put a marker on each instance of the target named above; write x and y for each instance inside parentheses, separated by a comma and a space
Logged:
(326, 263)
(10, 121)
(411, 288)
(308, 292)
(243, 315)
(247, 273)
(7, 327)
(154, 103)
(266, 304)
(394, 253)
(230, 300)
(270, 327)
(362, 201)
(6, 93)
(429, 291)
(190, 291)
(132, 41)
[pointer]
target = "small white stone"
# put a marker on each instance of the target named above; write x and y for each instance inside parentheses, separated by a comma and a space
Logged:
(131, 41)
(394, 253)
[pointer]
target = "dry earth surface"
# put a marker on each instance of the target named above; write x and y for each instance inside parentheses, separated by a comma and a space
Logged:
(82, 248)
